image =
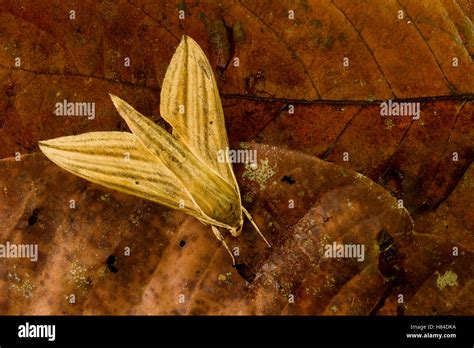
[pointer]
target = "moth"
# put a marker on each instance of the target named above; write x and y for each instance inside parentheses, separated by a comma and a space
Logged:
(178, 170)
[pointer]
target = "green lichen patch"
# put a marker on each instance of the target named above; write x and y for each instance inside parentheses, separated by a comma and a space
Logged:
(21, 285)
(388, 123)
(260, 173)
(79, 274)
(449, 278)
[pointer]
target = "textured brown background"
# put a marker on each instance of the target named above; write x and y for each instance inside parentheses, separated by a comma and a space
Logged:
(282, 62)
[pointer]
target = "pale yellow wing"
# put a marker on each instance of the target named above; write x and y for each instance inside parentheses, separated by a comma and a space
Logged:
(190, 103)
(119, 161)
(218, 200)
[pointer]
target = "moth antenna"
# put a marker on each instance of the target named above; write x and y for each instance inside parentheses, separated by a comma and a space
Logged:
(255, 225)
(219, 236)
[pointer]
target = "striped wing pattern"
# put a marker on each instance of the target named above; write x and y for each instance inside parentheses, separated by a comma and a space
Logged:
(212, 194)
(190, 103)
(179, 170)
(119, 161)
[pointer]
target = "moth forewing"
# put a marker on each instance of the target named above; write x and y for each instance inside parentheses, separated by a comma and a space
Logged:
(215, 197)
(119, 161)
(190, 85)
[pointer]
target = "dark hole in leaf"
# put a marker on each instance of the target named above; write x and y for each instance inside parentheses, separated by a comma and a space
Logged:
(111, 260)
(384, 239)
(33, 218)
(245, 272)
(392, 180)
(182, 243)
(390, 254)
(111, 264)
(288, 179)
(136, 182)
(389, 257)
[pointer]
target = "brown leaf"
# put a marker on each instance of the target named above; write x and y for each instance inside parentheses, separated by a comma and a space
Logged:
(301, 59)
(172, 255)
(282, 63)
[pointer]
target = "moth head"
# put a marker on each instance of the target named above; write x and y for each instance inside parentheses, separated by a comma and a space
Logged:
(236, 231)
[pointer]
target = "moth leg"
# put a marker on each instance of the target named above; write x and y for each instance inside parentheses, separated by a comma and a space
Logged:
(255, 225)
(219, 236)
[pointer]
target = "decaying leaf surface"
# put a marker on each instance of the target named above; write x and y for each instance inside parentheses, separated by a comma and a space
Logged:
(173, 255)
(301, 59)
(282, 63)
(411, 158)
